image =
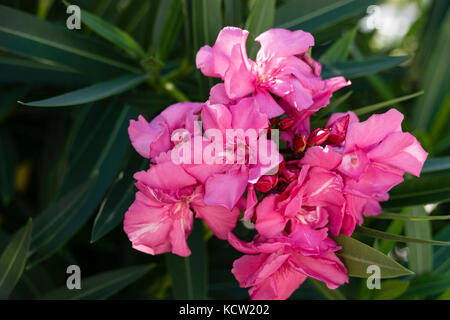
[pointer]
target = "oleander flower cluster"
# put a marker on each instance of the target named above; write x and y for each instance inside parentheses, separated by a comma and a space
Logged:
(206, 162)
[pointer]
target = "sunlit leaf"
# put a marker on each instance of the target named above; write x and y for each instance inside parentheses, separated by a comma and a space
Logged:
(112, 33)
(357, 256)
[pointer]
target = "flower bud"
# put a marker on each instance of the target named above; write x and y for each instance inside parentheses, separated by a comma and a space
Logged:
(285, 123)
(266, 183)
(318, 137)
(299, 143)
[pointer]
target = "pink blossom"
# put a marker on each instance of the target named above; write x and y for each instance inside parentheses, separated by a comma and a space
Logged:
(282, 67)
(235, 122)
(274, 268)
(314, 199)
(371, 160)
(161, 217)
(150, 139)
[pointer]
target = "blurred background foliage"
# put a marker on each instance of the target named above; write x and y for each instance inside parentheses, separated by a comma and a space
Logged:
(66, 161)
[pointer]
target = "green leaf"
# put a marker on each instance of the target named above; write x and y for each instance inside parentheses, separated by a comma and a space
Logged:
(357, 256)
(324, 16)
(420, 256)
(92, 93)
(113, 208)
(206, 25)
(259, 20)
(206, 22)
(164, 39)
(397, 216)
(391, 289)
(26, 71)
(396, 227)
(112, 33)
(441, 255)
(327, 293)
(388, 236)
(233, 13)
(445, 295)
(377, 106)
(417, 191)
(7, 168)
(437, 68)
(338, 52)
(353, 69)
(427, 285)
(28, 35)
(100, 146)
(101, 286)
(189, 275)
(12, 260)
(436, 165)
(56, 215)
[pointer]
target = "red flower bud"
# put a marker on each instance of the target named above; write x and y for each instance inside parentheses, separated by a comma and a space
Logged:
(285, 123)
(266, 183)
(338, 130)
(318, 137)
(299, 143)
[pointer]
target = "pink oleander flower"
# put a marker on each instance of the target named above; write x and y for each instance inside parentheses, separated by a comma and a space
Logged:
(236, 123)
(151, 139)
(314, 199)
(371, 160)
(330, 179)
(161, 217)
(282, 68)
(274, 268)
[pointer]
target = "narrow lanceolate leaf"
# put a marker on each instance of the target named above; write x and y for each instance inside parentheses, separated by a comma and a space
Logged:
(101, 286)
(165, 38)
(28, 35)
(441, 255)
(113, 208)
(260, 19)
(233, 13)
(338, 52)
(25, 71)
(420, 256)
(206, 25)
(427, 285)
(7, 167)
(416, 191)
(324, 16)
(357, 256)
(92, 93)
(189, 275)
(396, 227)
(112, 33)
(391, 289)
(56, 214)
(13, 259)
(436, 71)
(206, 22)
(436, 166)
(385, 104)
(397, 216)
(100, 146)
(353, 69)
(388, 236)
